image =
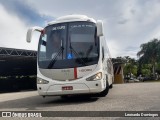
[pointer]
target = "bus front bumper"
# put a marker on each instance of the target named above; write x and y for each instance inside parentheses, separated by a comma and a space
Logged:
(78, 88)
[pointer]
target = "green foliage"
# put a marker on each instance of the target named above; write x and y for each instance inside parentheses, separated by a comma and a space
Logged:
(158, 67)
(146, 72)
(148, 63)
(149, 55)
(130, 65)
(134, 70)
(146, 69)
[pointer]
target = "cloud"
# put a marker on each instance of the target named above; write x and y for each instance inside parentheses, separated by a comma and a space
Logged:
(25, 12)
(127, 23)
(139, 24)
(123, 21)
(13, 31)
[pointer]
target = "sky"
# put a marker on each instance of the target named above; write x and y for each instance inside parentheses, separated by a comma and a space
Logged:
(127, 23)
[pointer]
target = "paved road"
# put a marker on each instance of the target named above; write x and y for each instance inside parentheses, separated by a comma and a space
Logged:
(123, 97)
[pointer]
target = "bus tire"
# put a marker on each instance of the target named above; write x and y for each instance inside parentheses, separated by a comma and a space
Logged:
(104, 92)
(64, 97)
(111, 86)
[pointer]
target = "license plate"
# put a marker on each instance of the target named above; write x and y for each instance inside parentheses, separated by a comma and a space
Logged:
(67, 88)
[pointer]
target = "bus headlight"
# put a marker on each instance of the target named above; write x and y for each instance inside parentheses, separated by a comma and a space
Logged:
(97, 76)
(41, 81)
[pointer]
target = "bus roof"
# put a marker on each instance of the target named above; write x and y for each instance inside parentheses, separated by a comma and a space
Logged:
(71, 18)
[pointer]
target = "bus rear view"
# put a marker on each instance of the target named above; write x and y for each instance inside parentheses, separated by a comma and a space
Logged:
(72, 57)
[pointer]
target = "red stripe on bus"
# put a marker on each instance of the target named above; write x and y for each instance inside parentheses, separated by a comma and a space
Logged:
(75, 73)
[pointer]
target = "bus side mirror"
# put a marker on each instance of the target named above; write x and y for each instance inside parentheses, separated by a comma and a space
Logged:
(99, 28)
(30, 32)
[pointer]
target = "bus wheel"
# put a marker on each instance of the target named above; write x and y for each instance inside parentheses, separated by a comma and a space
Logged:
(64, 96)
(104, 92)
(111, 86)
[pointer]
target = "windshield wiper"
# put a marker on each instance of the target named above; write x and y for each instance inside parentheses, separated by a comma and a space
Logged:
(60, 51)
(82, 61)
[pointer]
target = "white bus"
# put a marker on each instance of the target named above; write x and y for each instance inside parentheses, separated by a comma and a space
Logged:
(73, 57)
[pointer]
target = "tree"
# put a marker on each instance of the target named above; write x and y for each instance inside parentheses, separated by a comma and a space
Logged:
(130, 66)
(150, 53)
(146, 69)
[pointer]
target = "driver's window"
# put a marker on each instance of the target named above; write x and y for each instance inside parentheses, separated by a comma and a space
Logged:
(43, 47)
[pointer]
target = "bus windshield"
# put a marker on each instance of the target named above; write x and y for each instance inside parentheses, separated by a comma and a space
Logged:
(68, 45)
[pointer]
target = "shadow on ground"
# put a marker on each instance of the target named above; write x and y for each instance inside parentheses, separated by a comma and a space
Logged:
(33, 103)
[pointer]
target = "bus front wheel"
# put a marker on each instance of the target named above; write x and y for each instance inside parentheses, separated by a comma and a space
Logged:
(111, 86)
(104, 92)
(64, 97)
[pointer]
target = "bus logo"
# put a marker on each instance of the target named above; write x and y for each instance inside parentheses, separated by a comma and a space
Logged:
(85, 70)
